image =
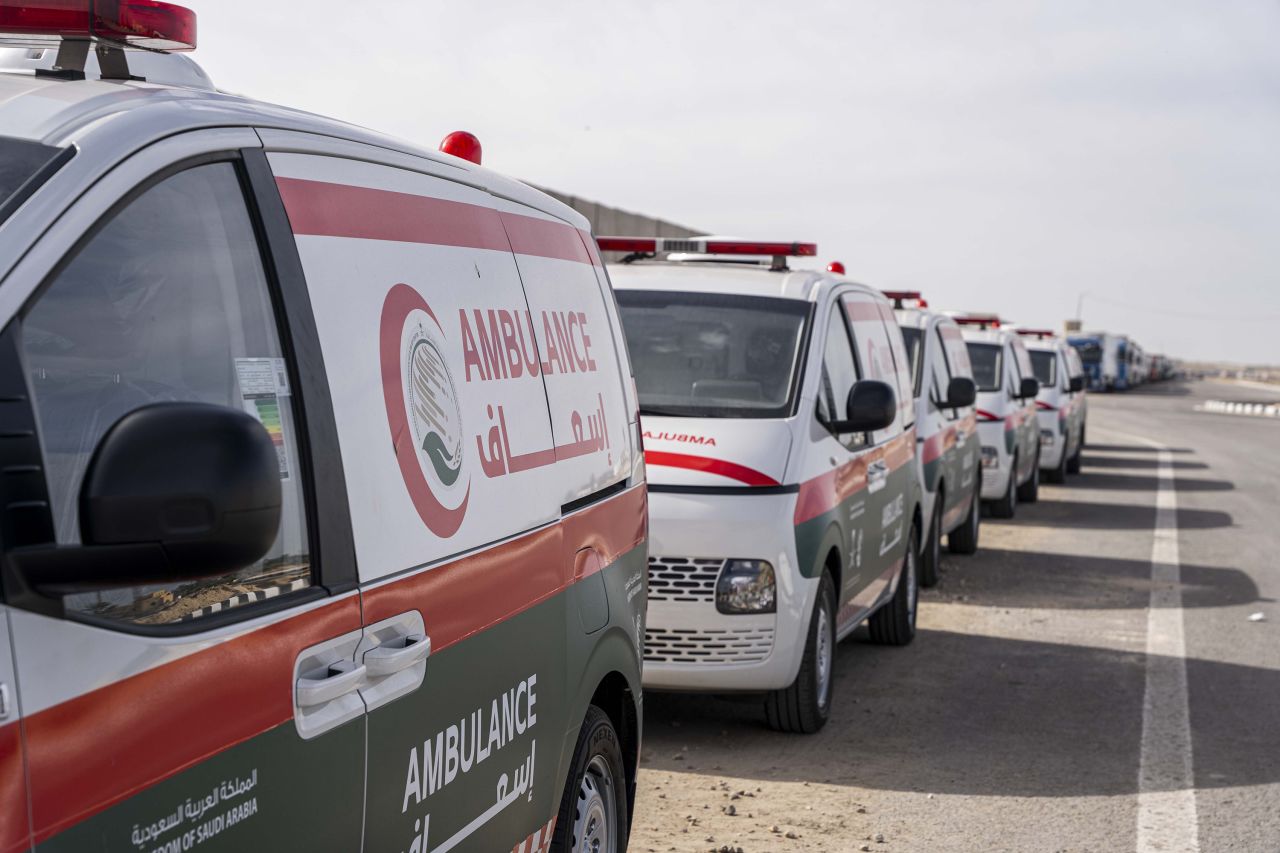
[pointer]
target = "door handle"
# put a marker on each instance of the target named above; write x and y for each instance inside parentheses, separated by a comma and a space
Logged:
(339, 678)
(397, 654)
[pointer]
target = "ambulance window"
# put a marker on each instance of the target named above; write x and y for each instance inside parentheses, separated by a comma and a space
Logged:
(911, 339)
(1045, 367)
(941, 372)
(839, 371)
(168, 301)
(987, 361)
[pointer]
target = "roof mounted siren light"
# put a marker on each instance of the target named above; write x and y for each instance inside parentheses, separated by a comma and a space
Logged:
(463, 145)
(110, 26)
(900, 298)
(1039, 334)
(835, 267)
(640, 248)
(982, 321)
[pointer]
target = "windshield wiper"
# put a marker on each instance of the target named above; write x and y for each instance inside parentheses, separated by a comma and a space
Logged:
(665, 413)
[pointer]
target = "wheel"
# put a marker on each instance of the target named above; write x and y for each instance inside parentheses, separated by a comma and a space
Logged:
(964, 539)
(1029, 492)
(803, 707)
(931, 556)
(593, 810)
(1073, 464)
(894, 624)
(1058, 474)
(1004, 507)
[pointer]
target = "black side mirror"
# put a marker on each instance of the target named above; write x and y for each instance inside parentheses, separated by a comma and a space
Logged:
(961, 391)
(872, 405)
(173, 492)
(1076, 384)
(1030, 387)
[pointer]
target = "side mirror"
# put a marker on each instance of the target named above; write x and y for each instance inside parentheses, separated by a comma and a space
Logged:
(961, 391)
(1030, 388)
(1076, 384)
(872, 405)
(173, 492)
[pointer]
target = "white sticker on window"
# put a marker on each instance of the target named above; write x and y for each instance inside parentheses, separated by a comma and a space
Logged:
(263, 381)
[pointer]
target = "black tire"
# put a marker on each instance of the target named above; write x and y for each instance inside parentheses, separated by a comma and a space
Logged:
(1058, 474)
(1073, 464)
(964, 539)
(802, 708)
(931, 554)
(597, 769)
(1029, 492)
(1006, 506)
(894, 624)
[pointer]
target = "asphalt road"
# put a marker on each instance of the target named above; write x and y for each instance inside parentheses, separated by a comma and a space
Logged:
(1016, 720)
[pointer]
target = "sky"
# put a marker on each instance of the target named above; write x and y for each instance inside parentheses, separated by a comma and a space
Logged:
(1015, 156)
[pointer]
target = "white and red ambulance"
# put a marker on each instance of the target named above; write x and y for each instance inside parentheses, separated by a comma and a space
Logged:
(1006, 410)
(324, 518)
(780, 443)
(946, 430)
(1060, 405)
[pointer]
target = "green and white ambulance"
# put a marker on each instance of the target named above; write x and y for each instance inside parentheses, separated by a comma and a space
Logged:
(780, 440)
(324, 518)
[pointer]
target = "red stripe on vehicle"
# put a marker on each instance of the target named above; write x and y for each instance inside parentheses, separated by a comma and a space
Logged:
(1045, 407)
(827, 491)
(13, 791)
(938, 444)
(732, 470)
(324, 209)
(984, 415)
(225, 695)
(93, 751)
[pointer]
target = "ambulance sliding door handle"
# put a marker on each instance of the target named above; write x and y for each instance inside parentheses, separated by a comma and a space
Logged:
(339, 679)
(396, 655)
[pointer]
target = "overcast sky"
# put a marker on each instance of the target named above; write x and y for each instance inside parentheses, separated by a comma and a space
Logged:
(1003, 156)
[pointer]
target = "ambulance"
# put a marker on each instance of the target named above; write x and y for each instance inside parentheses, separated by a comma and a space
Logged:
(779, 438)
(1060, 405)
(946, 430)
(1006, 413)
(324, 508)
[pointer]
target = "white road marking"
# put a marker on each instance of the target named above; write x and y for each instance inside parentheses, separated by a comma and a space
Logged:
(1167, 820)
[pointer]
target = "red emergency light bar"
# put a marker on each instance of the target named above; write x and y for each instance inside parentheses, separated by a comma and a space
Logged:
(654, 245)
(899, 297)
(991, 322)
(1036, 333)
(143, 24)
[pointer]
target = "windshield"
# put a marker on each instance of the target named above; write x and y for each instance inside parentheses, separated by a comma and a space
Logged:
(713, 355)
(911, 337)
(1090, 352)
(20, 161)
(1044, 365)
(987, 360)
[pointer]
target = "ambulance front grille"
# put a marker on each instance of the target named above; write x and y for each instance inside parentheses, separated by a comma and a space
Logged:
(683, 578)
(707, 645)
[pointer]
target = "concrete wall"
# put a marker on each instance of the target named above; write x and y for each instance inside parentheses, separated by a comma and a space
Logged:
(611, 222)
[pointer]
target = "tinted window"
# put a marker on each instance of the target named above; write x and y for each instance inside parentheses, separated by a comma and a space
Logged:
(20, 161)
(987, 361)
(712, 355)
(1044, 366)
(168, 301)
(911, 340)
(875, 353)
(839, 371)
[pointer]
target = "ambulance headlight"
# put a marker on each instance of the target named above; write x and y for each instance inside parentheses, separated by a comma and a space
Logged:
(990, 457)
(1046, 438)
(746, 586)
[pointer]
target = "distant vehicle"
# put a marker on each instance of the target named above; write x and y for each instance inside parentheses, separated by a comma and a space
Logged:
(779, 436)
(946, 430)
(325, 506)
(1006, 409)
(1060, 404)
(1112, 362)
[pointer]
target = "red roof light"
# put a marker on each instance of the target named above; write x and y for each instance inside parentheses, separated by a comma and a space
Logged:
(1036, 333)
(836, 267)
(900, 297)
(703, 246)
(462, 145)
(991, 322)
(145, 24)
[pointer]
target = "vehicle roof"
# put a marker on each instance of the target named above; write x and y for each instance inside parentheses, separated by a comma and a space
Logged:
(986, 336)
(727, 278)
(62, 112)
(921, 318)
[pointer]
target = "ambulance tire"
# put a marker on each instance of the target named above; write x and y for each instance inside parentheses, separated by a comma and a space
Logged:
(593, 810)
(1006, 506)
(931, 556)
(1073, 464)
(1058, 474)
(1029, 492)
(964, 539)
(894, 624)
(803, 707)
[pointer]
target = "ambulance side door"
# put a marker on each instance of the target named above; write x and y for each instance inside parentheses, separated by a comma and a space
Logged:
(455, 493)
(181, 710)
(15, 827)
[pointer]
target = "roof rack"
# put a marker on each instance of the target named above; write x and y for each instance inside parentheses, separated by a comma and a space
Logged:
(639, 248)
